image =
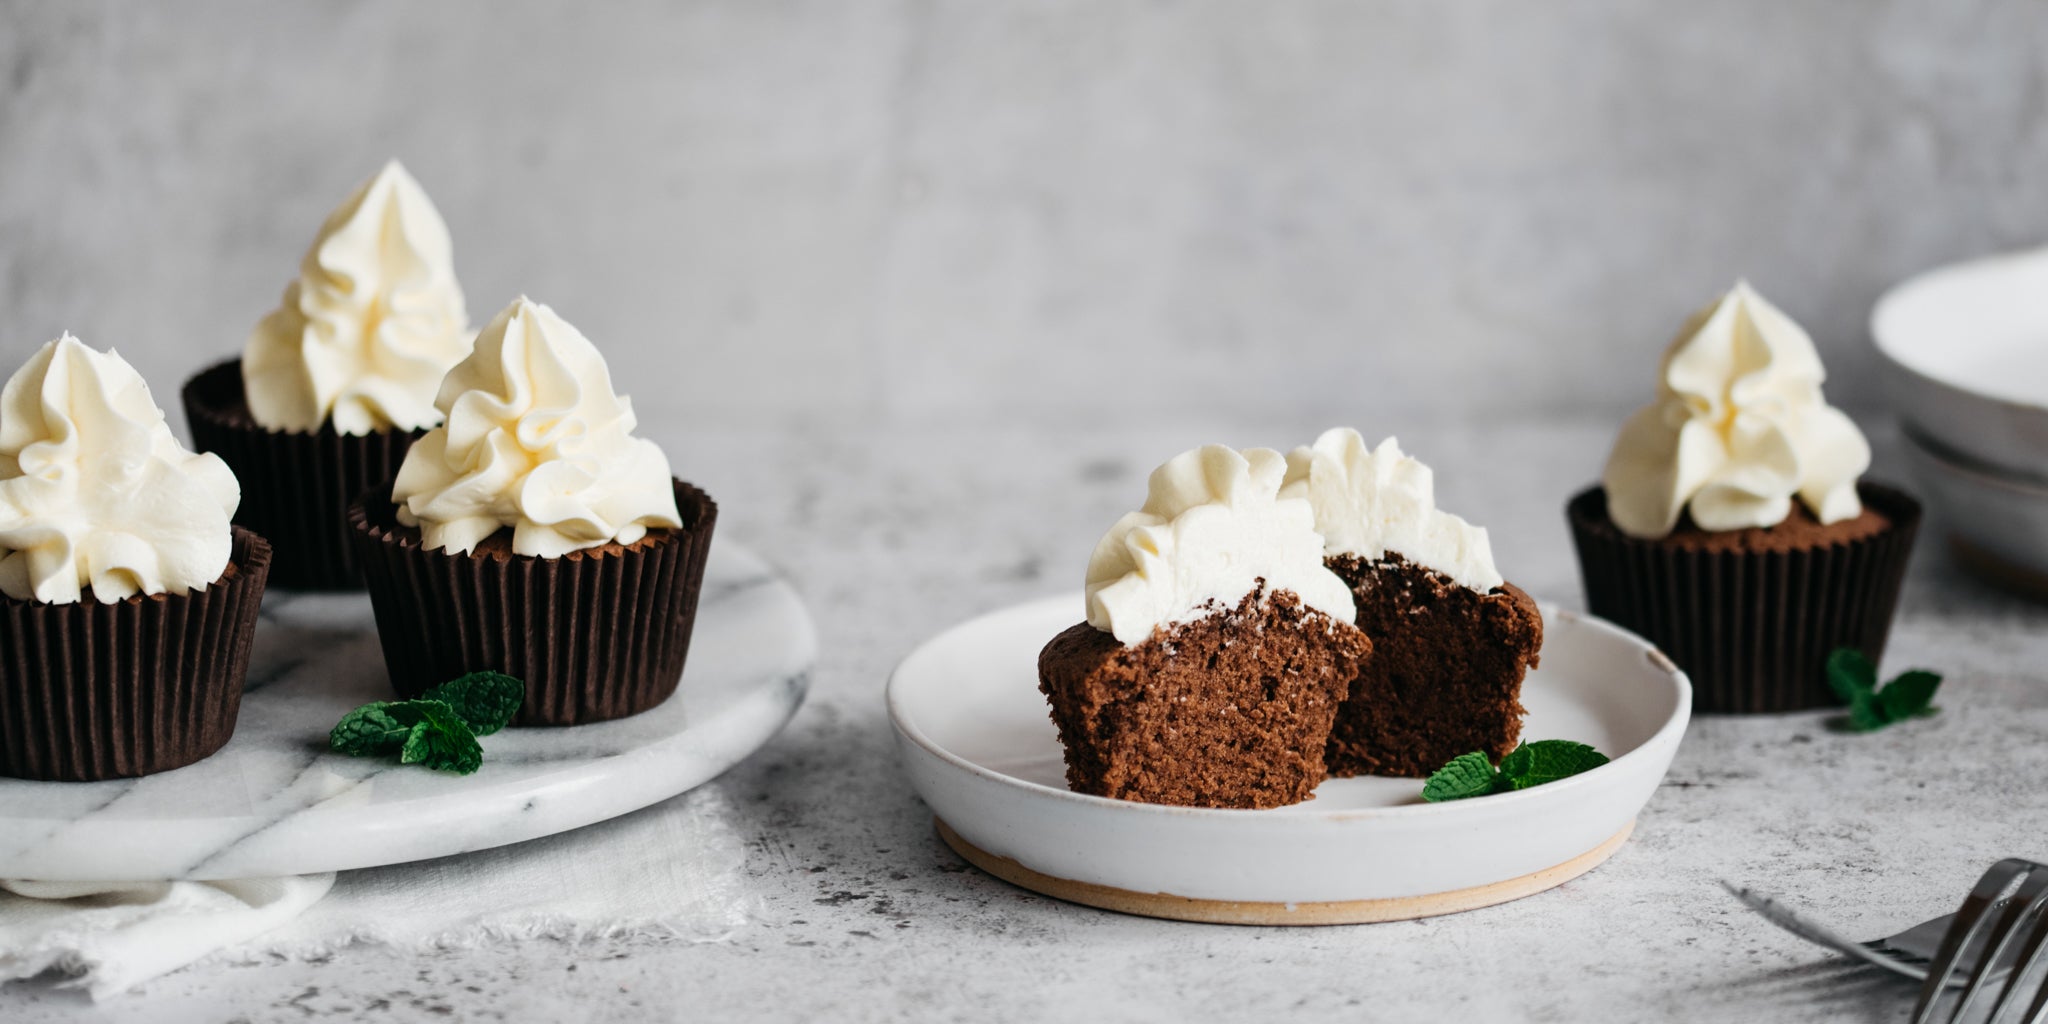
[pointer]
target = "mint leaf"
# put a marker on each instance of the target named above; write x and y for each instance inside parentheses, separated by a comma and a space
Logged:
(1854, 679)
(1850, 673)
(1867, 713)
(1909, 696)
(1533, 764)
(1466, 775)
(438, 730)
(485, 700)
(441, 740)
(377, 728)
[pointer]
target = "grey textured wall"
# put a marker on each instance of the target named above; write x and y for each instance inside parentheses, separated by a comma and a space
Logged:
(1380, 212)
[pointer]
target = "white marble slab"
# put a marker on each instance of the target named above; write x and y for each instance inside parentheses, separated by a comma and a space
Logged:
(276, 801)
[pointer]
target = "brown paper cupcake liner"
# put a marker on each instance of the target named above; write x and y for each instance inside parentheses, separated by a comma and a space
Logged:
(1753, 629)
(296, 488)
(596, 634)
(93, 691)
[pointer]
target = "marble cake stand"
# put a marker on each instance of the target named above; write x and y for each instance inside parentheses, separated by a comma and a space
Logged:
(276, 801)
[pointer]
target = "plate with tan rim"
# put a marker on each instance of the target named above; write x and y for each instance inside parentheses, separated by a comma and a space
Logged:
(979, 746)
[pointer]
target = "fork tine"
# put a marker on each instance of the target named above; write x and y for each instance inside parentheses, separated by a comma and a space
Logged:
(2038, 1010)
(1970, 919)
(1815, 932)
(2029, 958)
(2021, 910)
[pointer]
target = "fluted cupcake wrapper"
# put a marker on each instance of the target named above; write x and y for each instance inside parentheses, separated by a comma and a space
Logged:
(1753, 629)
(596, 634)
(93, 691)
(296, 487)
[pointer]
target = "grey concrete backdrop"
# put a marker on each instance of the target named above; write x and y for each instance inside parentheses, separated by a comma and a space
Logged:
(909, 210)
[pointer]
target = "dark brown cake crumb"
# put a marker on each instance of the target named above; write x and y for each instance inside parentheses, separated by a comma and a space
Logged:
(1445, 676)
(1230, 710)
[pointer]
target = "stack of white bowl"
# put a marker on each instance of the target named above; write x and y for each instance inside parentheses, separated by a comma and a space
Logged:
(1966, 348)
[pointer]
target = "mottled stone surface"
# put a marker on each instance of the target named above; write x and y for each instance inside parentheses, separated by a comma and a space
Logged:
(895, 534)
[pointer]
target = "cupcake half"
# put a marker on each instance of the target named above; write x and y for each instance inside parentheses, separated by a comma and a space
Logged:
(1217, 646)
(1451, 639)
(1730, 527)
(534, 535)
(337, 382)
(127, 600)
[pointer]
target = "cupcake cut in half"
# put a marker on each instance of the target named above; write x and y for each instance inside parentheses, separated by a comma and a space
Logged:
(1451, 639)
(338, 381)
(1730, 527)
(127, 599)
(1217, 646)
(533, 534)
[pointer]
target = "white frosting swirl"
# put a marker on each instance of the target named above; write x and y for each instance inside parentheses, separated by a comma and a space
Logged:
(1371, 501)
(96, 492)
(371, 325)
(1213, 525)
(1738, 429)
(536, 440)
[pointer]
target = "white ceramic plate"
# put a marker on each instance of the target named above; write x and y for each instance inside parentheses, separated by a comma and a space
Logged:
(979, 746)
(1967, 349)
(276, 801)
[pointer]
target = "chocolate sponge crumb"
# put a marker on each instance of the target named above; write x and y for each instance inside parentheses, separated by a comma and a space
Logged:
(1445, 676)
(1230, 710)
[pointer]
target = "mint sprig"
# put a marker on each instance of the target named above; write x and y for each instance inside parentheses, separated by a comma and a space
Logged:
(442, 741)
(1531, 764)
(485, 700)
(1853, 677)
(439, 729)
(1466, 775)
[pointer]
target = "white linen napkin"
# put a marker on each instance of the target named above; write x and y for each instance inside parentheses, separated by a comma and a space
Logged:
(677, 870)
(112, 936)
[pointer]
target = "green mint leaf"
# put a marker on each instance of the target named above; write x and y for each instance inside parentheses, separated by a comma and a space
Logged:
(442, 741)
(1466, 775)
(1909, 696)
(1850, 673)
(1533, 764)
(485, 700)
(1867, 713)
(377, 728)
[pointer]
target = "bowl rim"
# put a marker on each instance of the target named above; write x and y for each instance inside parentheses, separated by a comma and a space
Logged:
(1885, 338)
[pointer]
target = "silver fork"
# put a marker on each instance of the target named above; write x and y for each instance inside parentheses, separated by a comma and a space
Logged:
(1908, 953)
(2010, 901)
(1998, 941)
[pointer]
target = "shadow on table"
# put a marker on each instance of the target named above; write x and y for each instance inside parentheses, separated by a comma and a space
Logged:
(48, 989)
(1839, 989)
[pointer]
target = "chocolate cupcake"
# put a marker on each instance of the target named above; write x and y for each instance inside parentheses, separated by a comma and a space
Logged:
(534, 535)
(339, 380)
(1451, 639)
(127, 600)
(1217, 647)
(1730, 528)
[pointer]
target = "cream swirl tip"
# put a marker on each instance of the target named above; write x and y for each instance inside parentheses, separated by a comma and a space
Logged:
(1213, 525)
(1369, 501)
(372, 323)
(95, 491)
(1739, 428)
(537, 440)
